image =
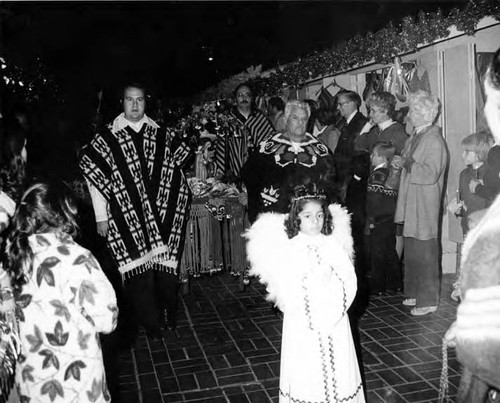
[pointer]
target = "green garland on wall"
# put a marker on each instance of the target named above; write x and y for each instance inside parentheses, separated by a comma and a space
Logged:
(379, 47)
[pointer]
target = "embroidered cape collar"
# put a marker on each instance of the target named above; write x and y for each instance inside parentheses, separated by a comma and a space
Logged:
(285, 154)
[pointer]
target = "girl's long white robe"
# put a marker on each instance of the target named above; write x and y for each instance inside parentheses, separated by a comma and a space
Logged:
(312, 280)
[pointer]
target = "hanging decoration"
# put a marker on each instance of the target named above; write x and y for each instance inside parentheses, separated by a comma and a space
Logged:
(379, 47)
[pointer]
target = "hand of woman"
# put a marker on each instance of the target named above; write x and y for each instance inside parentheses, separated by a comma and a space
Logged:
(473, 185)
(397, 162)
(454, 207)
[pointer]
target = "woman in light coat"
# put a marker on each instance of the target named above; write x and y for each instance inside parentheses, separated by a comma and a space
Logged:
(423, 162)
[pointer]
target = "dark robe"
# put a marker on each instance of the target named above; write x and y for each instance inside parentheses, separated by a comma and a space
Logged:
(271, 173)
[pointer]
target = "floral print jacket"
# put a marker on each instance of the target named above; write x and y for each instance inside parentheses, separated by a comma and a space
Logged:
(61, 310)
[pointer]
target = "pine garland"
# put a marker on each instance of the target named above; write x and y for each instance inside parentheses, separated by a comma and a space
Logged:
(379, 47)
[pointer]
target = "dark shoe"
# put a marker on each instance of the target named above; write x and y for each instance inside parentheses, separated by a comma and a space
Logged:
(393, 292)
(169, 321)
(126, 338)
(154, 334)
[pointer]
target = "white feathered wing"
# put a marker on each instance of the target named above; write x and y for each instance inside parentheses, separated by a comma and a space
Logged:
(271, 253)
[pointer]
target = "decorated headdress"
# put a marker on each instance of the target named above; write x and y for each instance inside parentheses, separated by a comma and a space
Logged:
(308, 191)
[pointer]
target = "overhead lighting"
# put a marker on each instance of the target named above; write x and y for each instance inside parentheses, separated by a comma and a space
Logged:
(210, 59)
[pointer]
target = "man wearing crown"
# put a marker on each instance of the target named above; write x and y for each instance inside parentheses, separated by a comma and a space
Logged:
(293, 157)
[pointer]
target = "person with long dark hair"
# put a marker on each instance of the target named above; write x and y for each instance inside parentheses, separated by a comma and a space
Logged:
(13, 158)
(63, 298)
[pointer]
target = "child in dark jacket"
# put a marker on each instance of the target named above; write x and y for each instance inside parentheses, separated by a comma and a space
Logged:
(475, 152)
(381, 201)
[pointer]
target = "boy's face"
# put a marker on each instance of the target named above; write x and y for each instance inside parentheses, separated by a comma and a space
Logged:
(377, 159)
(378, 114)
(469, 157)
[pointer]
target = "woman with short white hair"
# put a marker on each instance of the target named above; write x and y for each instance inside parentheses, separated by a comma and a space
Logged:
(423, 162)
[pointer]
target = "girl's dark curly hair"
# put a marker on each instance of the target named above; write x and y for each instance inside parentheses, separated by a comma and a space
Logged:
(43, 208)
(12, 164)
(304, 194)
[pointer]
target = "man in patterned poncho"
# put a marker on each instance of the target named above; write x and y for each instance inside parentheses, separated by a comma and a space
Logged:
(251, 128)
(141, 201)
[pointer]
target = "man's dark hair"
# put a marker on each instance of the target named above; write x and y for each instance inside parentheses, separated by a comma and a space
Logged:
(245, 84)
(134, 84)
(278, 103)
(384, 149)
(326, 117)
(384, 100)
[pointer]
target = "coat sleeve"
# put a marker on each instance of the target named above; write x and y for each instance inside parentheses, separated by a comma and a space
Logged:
(427, 169)
(90, 291)
(491, 178)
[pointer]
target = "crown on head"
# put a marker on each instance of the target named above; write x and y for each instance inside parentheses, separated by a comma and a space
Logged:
(309, 191)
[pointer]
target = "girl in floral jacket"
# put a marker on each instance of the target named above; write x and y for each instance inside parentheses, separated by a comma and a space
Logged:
(63, 301)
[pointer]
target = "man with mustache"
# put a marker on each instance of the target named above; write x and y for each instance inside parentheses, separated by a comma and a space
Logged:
(251, 127)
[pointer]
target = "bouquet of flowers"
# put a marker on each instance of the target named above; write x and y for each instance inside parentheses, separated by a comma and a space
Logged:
(213, 188)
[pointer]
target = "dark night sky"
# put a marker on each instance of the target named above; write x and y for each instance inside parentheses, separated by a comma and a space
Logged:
(167, 44)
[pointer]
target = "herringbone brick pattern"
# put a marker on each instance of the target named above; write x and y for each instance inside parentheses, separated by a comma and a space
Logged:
(227, 343)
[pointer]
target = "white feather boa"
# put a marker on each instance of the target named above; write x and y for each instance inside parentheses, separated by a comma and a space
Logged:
(271, 253)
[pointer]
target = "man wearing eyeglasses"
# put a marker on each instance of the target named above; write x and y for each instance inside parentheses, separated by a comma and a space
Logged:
(348, 103)
(352, 170)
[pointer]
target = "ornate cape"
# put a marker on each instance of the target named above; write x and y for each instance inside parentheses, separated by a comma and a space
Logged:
(277, 167)
(148, 197)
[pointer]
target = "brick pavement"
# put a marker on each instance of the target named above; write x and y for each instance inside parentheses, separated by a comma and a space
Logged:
(226, 349)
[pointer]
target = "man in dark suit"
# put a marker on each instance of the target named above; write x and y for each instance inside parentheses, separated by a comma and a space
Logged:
(348, 103)
(352, 174)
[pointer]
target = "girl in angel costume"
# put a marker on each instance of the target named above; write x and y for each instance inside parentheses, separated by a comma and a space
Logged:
(305, 258)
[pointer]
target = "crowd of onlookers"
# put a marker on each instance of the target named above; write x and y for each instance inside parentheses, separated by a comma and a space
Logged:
(56, 298)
